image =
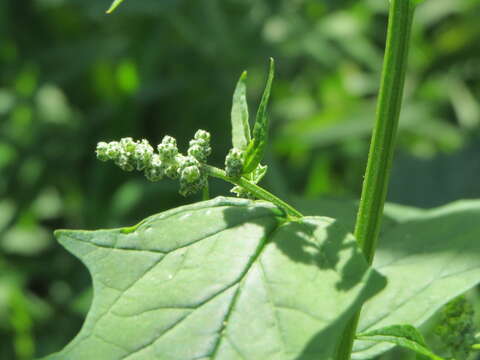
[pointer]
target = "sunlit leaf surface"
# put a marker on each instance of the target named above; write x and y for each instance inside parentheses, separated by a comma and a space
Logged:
(222, 279)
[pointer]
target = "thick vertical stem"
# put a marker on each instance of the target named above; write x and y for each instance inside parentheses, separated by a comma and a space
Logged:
(382, 145)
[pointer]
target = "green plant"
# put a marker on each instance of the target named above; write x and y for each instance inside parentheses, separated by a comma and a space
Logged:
(231, 278)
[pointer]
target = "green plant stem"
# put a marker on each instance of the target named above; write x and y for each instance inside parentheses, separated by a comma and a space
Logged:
(382, 145)
(255, 190)
(206, 193)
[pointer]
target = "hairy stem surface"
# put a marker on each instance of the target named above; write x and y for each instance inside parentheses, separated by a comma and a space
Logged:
(382, 145)
(255, 190)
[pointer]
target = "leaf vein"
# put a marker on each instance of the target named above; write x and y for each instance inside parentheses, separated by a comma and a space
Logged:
(274, 309)
(241, 281)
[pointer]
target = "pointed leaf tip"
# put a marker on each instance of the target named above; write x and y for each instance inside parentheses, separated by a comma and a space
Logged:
(58, 233)
(258, 144)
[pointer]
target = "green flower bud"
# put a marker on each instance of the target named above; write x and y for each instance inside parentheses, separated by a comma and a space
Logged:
(190, 174)
(189, 188)
(457, 328)
(142, 155)
(199, 146)
(124, 162)
(114, 150)
(172, 172)
(122, 153)
(102, 151)
(167, 149)
(234, 163)
(128, 145)
(153, 174)
(169, 140)
(185, 161)
(154, 171)
(197, 152)
(202, 135)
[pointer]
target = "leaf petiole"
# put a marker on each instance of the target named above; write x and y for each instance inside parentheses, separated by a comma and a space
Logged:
(256, 190)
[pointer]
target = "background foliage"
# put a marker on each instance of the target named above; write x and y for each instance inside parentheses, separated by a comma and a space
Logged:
(71, 76)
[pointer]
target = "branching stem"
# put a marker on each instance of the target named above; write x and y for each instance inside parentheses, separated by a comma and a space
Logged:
(255, 190)
(382, 145)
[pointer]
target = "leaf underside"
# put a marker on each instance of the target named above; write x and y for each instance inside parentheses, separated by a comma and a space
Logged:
(429, 259)
(221, 279)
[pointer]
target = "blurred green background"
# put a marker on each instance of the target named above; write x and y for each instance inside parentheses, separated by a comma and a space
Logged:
(71, 76)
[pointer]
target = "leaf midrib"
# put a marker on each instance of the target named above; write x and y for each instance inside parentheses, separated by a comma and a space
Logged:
(176, 213)
(241, 281)
(237, 281)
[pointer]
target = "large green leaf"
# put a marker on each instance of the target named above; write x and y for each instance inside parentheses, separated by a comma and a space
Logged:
(428, 260)
(346, 210)
(221, 279)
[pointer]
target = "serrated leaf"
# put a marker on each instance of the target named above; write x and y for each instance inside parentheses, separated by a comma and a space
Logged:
(257, 145)
(114, 5)
(405, 336)
(239, 116)
(429, 260)
(221, 279)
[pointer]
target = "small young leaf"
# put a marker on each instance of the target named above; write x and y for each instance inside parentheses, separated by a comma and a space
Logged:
(255, 177)
(240, 125)
(405, 336)
(258, 173)
(114, 5)
(257, 145)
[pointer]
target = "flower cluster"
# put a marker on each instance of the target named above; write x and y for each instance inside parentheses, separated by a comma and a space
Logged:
(199, 146)
(457, 329)
(132, 155)
(126, 153)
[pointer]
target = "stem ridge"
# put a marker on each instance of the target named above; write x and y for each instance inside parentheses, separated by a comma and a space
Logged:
(382, 146)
